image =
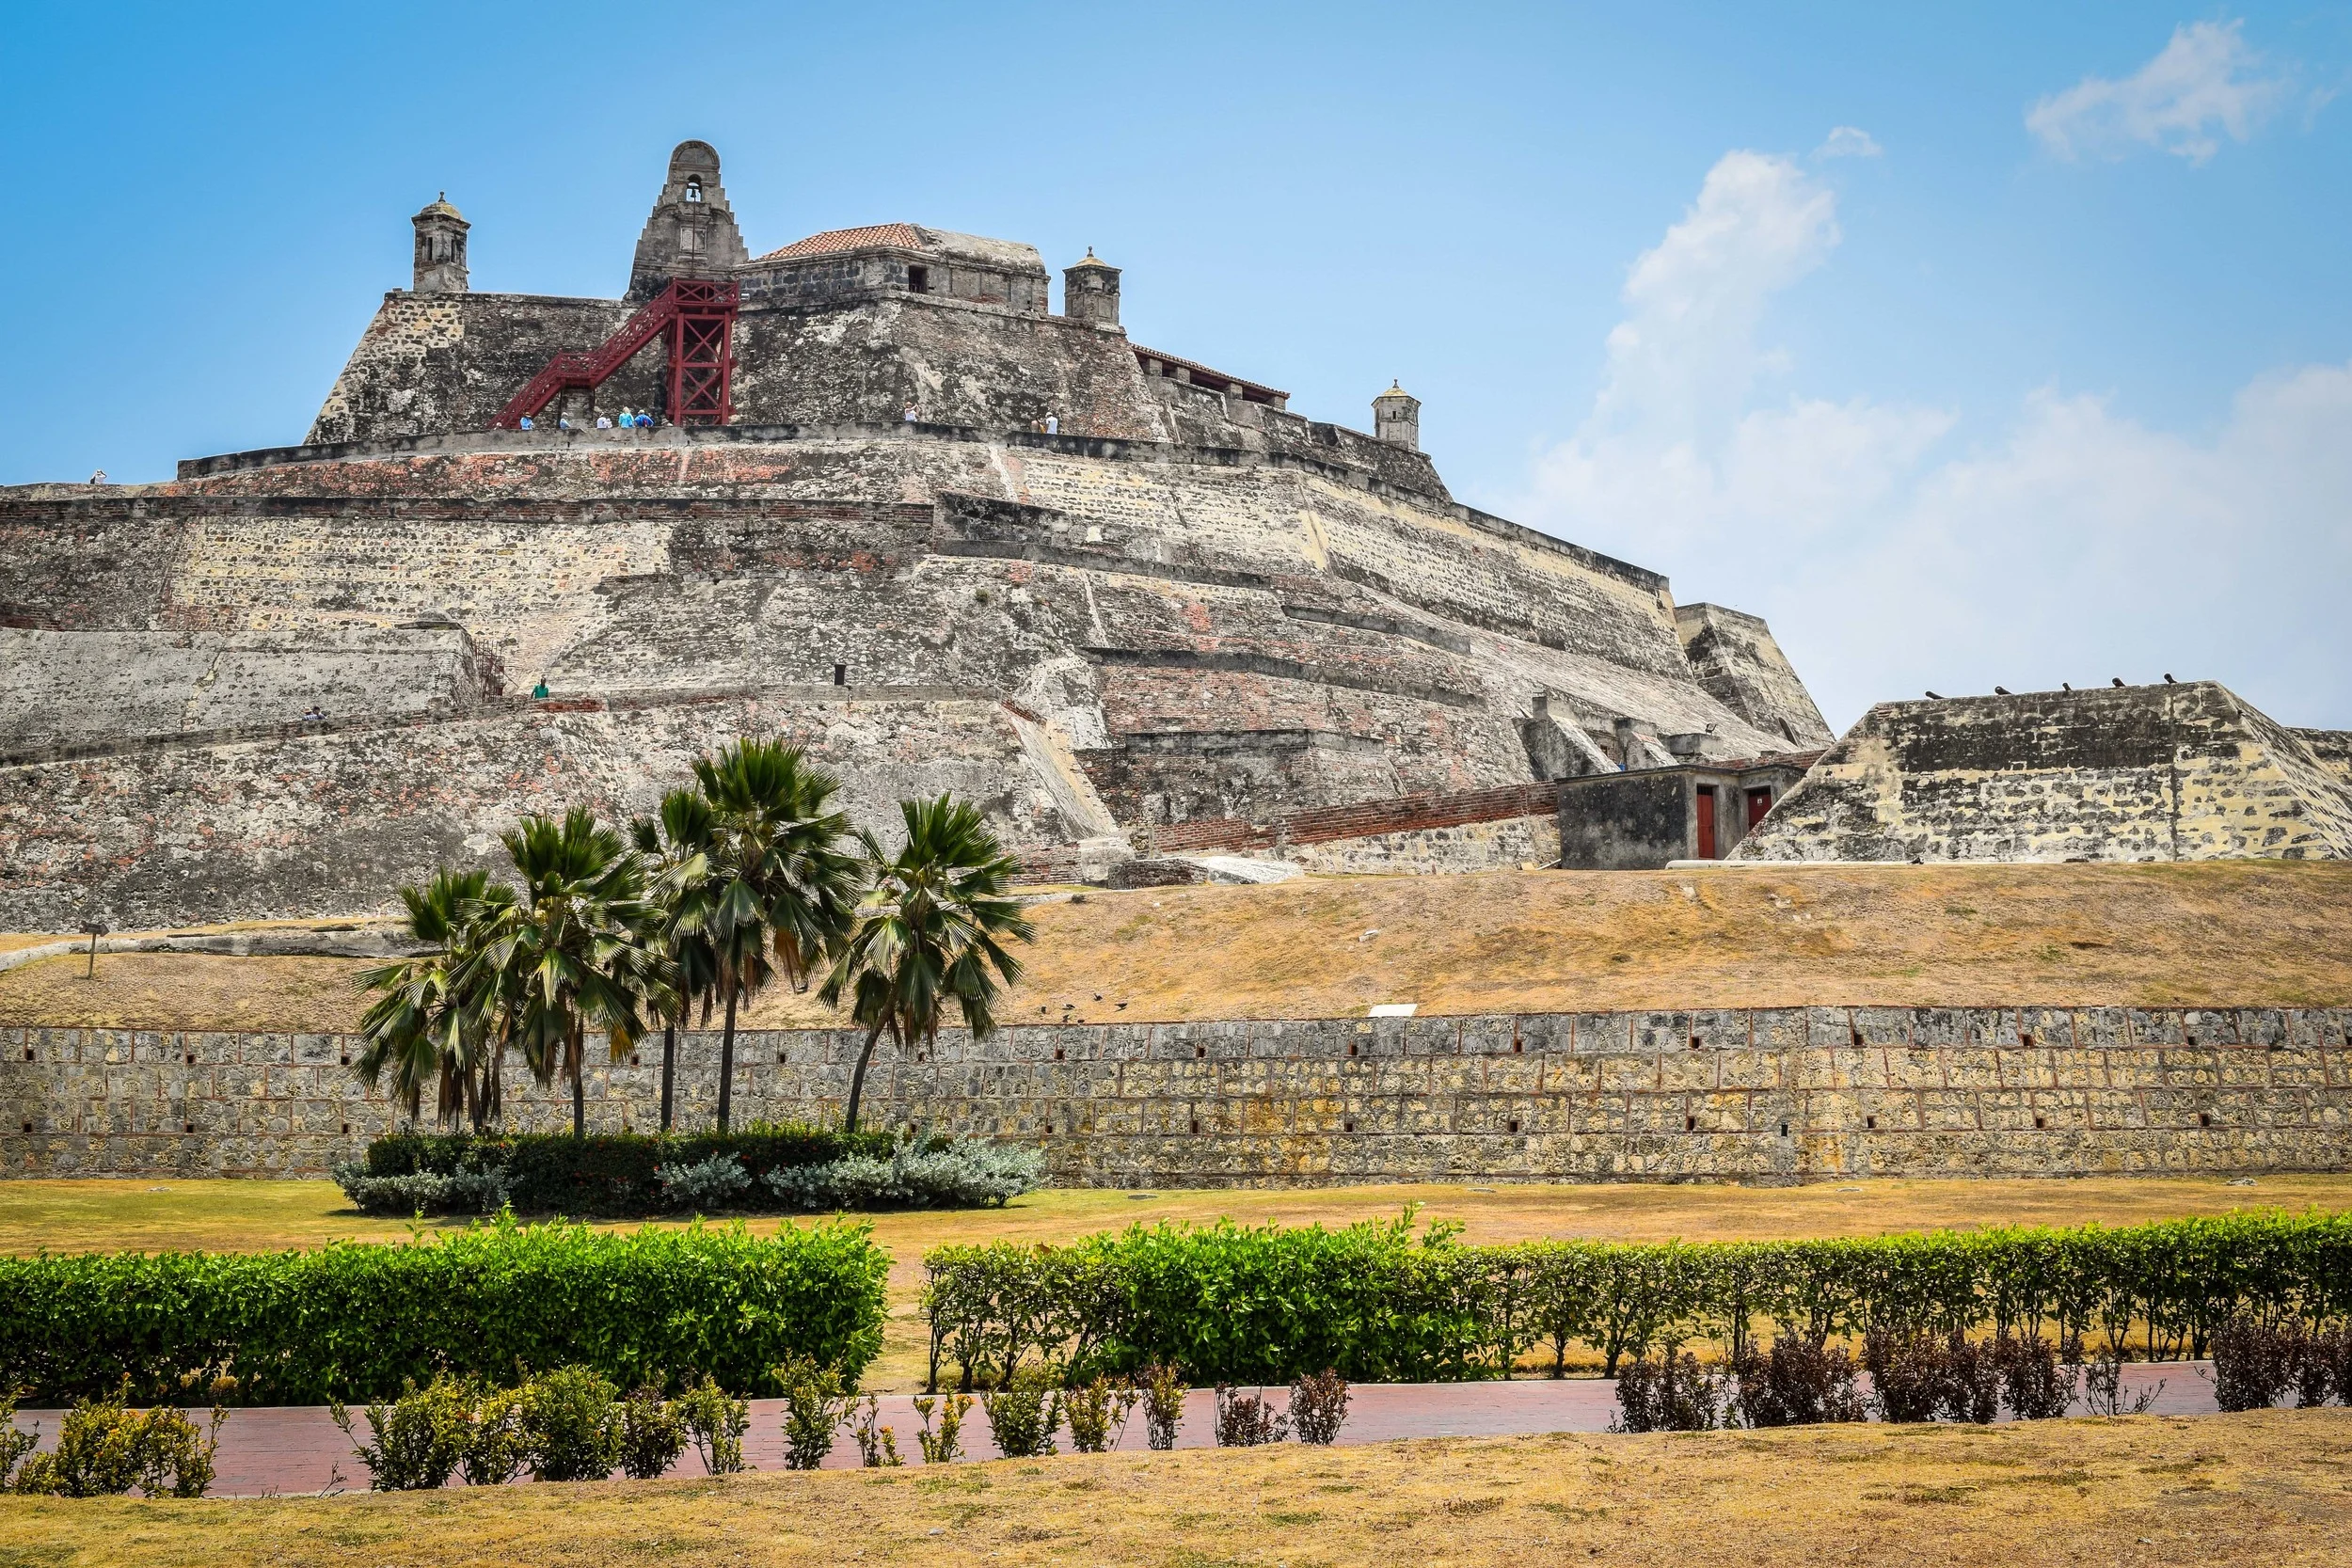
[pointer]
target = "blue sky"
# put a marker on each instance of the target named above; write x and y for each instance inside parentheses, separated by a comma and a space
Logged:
(2012, 345)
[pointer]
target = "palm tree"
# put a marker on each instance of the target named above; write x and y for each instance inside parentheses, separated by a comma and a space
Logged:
(576, 952)
(928, 932)
(783, 886)
(428, 1020)
(678, 849)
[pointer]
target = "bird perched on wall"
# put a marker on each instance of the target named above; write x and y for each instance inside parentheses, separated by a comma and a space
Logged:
(2000, 692)
(2115, 680)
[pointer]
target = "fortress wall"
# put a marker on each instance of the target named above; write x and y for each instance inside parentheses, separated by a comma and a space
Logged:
(2164, 773)
(2331, 750)
(1736, 660)
(443, 362)
(1200, 417)
(1487, 829)
(95, 564)
(1501, 845)
(329, 820)
(80, 685)
(1454, 569)
(1235, 742)
(958, 363)
(1760, 1096)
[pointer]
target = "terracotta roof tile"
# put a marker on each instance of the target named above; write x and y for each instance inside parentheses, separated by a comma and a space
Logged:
(903, 237)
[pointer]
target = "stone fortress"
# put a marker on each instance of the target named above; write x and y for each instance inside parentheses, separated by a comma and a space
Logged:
(942, 535)
(899, 511)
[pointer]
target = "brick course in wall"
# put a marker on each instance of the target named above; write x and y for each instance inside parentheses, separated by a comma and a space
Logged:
(1764, 1095)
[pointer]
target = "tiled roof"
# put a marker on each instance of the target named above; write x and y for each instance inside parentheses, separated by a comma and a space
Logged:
(903, 236)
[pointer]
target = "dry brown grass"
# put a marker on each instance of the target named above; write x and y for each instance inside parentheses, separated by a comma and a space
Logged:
(2269, 1489)
(2247, 932)
(237, 1216)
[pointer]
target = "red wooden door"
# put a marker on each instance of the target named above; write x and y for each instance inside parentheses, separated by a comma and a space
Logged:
(1760, 801)
(1707, 822)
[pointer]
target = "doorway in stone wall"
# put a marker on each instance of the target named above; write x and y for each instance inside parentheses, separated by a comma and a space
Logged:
(1707, 822)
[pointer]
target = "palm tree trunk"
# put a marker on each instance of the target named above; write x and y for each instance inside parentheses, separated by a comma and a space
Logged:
(669, 1058)
(857, 1080)
(726, 1065)
(579, 1091)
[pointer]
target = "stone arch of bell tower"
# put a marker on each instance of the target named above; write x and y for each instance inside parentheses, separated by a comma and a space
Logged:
(692, 231)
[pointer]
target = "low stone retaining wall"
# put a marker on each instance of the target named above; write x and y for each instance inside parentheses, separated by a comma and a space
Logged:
(1767, 1095)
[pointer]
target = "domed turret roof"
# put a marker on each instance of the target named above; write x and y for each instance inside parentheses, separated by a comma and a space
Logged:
(439, 208)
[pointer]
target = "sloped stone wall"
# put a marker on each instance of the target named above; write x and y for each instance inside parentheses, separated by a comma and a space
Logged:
(1777, 1095)
(329, 819)
(2175, 772)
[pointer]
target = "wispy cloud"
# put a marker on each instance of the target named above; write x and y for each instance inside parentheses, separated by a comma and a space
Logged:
(1849, 141)
(2073, 542)
(2205, 84)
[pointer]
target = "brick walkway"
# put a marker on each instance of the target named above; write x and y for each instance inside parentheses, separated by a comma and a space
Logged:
(282, 1449)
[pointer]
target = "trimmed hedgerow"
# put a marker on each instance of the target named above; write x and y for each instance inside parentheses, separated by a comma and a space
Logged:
(1262, 1306)
(608, 1176)
(351, 1321)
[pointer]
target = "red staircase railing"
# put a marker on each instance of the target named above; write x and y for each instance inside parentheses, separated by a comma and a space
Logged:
(698, 315)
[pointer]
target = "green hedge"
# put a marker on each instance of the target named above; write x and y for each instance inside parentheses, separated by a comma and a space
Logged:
(611, 1174)
(350, 1320)
(1378, 1303)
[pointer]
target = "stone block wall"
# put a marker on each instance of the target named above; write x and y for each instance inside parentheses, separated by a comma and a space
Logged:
(329, 819)
(1736, 658)
(1762, 1095)
(57, 688)
(2173, 772)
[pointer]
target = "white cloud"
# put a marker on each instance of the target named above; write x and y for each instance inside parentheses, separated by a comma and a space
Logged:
(1685, 350)
(2205, 84)
(1848, 141)
(2086, 544)
(1674, 438)
(2074, 545)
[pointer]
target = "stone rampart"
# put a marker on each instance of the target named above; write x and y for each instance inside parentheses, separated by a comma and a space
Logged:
(2173, 772)
(302, 820)
(1778, 1095)
(58, 687)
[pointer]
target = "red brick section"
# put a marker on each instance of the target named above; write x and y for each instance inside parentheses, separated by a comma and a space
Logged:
(1397, 815)
(283, 1449)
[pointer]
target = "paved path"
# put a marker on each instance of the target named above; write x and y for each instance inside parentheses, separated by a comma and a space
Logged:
(282, 1449)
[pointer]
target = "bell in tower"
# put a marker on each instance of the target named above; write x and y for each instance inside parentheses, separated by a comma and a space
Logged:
(691, 232)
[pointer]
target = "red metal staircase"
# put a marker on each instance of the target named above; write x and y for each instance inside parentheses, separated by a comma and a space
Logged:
(698, 316)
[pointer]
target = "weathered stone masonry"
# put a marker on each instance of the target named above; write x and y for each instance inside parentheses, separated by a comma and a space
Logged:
(1751, 1095)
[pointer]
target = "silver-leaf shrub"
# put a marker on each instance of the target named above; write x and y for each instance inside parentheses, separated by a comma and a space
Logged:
(962, 1174)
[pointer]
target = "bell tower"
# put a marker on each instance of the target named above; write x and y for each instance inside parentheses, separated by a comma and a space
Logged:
(440, 248)
(691, 232)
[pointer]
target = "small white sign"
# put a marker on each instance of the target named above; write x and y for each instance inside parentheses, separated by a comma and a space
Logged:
(1395, 1009)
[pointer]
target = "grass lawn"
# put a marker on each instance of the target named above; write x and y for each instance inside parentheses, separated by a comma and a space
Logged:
(2230, 933)
(2273, 1488)
(110, 1216)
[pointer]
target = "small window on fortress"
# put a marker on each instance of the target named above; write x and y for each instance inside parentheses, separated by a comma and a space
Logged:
(918, 280)
(693, 190)
(840, 674)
